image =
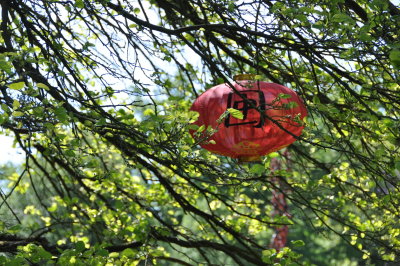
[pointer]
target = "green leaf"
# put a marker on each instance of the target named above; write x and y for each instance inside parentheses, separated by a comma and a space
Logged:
(43, 254)
(257, 169)
(201, 128)
(193, 127)
(365, 37)
(148, 112)
(268, 255)
(80, 246)
(130, 253)
(17, 85)
(70, 153)
(16, 261)
(61, 114)
(397, 166)
(290, 105)
(103, 252)
(297, 243)
(6, 66)
(5, 108)
(53, 207)
(235, 113)
(395, 58)
(273, 155)
(79, 4)
(114, 255)
(43, 86)
(14, 229)
(341, 17)
(101, 122)
(318, 25)
(16, 104)
(189, 37)
(284, 96)
(17, 113)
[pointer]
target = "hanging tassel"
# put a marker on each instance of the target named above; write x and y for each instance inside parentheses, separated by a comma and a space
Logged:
(280, 208)
(279, 203)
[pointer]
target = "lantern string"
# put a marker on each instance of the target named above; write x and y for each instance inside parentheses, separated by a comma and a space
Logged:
(278, 201)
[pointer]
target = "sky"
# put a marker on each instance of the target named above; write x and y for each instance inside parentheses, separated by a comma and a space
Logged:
(8, 153)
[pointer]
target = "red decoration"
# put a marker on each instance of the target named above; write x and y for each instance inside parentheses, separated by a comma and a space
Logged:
(279, 238)
(255, 135)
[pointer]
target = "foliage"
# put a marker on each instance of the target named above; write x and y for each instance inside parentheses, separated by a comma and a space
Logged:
(97, 94)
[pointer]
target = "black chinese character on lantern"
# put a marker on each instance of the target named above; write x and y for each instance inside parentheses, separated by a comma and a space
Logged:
(244, 104)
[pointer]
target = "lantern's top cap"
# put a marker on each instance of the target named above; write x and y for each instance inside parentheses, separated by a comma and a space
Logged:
(246, 77)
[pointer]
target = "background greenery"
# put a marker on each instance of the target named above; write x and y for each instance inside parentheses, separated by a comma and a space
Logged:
(97, 94)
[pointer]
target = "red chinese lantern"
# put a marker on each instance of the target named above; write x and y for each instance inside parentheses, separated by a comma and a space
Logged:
(272, 116)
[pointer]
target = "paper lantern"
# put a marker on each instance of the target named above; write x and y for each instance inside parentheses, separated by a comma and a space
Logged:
(272, 116)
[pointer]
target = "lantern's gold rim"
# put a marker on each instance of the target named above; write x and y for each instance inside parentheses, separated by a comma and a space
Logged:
(251, 158)
(246, 77)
